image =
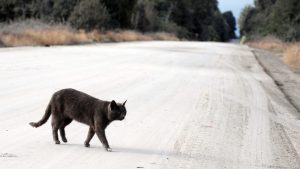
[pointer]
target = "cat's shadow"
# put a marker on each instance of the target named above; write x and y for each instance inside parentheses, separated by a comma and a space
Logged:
(142, 151)
(130, 150)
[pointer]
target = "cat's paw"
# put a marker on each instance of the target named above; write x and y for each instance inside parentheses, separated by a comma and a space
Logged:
(64, 140)
(86, 145)
(108, 149)
(57, 142)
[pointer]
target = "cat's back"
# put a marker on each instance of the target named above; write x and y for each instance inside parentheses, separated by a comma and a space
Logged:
(72, 95)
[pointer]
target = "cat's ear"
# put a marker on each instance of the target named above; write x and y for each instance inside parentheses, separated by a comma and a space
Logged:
(124, 103)
(113, 105)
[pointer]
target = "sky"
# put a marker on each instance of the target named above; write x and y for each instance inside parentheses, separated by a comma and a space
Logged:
(235, 6)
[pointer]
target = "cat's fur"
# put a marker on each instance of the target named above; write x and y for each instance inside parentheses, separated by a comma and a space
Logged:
(69, 104)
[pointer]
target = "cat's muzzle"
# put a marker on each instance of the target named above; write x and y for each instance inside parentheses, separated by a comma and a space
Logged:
(122, 117)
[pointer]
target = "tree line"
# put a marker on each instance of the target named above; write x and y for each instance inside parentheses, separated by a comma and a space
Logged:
(190, 19)
(280, 18)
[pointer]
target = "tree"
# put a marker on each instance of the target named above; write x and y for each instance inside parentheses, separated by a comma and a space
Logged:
(264, 4)
(62, 9)
(6, 10)
(244, 19)
(272, 17)
(144, 17)
(121, 12)
(201, 18)
(90, 14)
(230, 20)
(53, 10)
(14, 9)
(285, 21)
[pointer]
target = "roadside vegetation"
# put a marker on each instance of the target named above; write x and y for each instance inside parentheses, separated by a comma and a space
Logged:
(56, 22)
(273, 25)
(37, 33)
(291, 55)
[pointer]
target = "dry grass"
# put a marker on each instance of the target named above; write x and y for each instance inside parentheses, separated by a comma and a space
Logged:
(291, 52)
(123, 36)
(291, 55)
(36, 33)
(268, 43)
(65, 36)
(163, 36)
(45, 37)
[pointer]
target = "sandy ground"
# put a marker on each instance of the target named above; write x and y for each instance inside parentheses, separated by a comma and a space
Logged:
(190, 105)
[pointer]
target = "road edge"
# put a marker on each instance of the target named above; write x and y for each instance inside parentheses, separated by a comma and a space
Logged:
(264, 58)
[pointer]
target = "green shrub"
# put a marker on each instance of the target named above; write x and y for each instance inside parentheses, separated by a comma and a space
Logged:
(89, 14)
(280, 18)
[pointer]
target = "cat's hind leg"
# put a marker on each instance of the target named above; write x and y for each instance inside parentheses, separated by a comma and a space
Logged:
(66, 122)
(91, 133)
(56, 123)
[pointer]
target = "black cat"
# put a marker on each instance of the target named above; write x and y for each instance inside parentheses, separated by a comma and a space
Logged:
(69, 104)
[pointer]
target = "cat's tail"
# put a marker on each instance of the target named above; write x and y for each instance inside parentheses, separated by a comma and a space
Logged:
(44, 119)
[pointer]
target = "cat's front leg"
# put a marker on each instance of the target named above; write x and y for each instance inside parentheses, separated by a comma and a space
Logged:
(102, 137)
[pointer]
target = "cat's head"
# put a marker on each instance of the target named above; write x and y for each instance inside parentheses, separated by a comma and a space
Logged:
(116, 111)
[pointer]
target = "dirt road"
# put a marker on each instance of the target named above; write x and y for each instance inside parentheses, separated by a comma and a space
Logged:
(190, 105)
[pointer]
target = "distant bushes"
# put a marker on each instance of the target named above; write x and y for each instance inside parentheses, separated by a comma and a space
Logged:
(280, 18)
(36, 33)
(189, 19)
(89, 14)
